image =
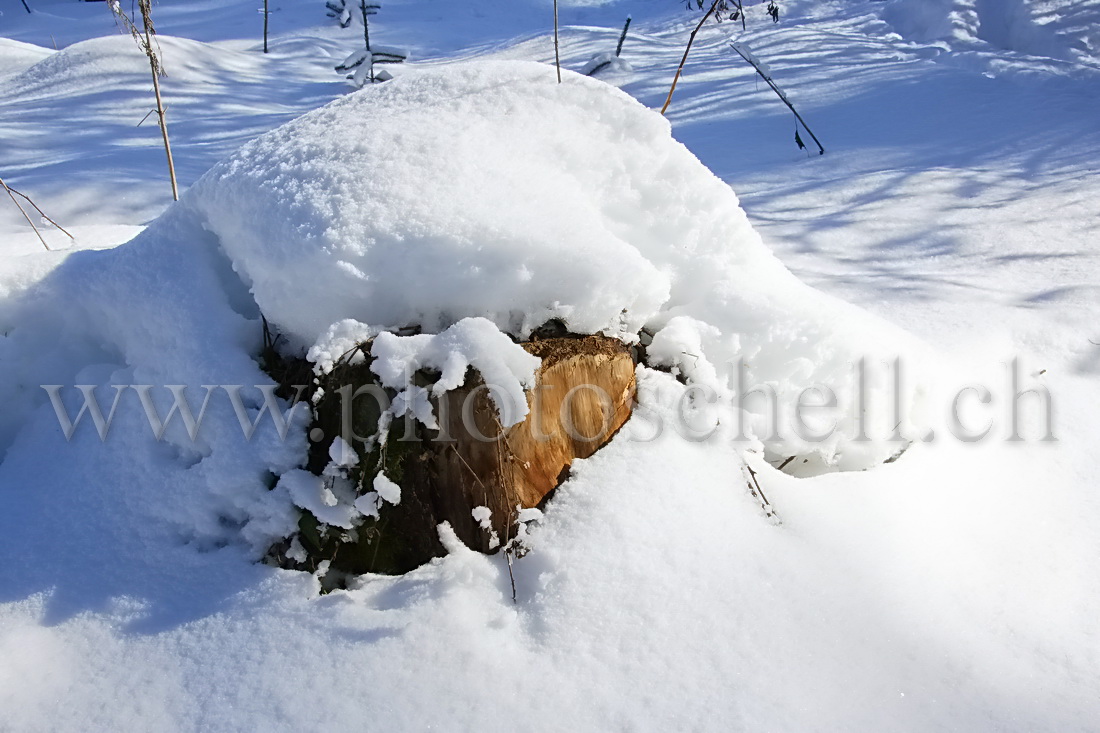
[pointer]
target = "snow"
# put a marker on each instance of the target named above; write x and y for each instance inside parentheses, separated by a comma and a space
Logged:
(318, 496)
(482, 515)
(607, 67)
(460, 219)
(340, 342)
(472, 342)
(342, 453)
(1055, 30)
(953, 588)
(387, 490)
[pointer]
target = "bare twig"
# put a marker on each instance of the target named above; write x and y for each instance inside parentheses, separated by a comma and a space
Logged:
(779, 93)
(144, 39)
(511, 577)
(622, 37)
(467, 465)
(24, 213)
(266, 14)
(364, 7)
(691, 40)
(758, 493)
(27, 198)
(557, 56)
(28, 7)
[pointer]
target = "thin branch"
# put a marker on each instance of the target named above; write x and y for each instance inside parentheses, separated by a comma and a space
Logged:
(511, 576)
(154, 64)
(757, 492)
(622, 37)
(144, 39)
(24, 213)
(27, 198)
(557, 56)
(779, 93)
(691, 40)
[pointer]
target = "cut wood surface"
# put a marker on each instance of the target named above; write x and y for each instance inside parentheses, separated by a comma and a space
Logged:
(584, 394)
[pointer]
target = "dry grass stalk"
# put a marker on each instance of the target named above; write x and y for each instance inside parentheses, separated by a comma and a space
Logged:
(691, 40)
(144, 38)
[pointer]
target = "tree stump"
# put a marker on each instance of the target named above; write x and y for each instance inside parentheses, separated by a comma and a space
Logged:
(584, 393)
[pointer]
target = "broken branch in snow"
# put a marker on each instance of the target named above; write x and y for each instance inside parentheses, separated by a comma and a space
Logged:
(762, 70)
(758, 493)
(622, 37)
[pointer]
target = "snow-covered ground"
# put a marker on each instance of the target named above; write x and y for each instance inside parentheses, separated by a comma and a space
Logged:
(955, 588)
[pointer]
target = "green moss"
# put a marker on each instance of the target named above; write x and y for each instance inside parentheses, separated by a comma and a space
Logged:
(404, 536)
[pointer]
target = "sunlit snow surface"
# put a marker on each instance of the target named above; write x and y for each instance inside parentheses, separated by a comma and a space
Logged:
(953, 589)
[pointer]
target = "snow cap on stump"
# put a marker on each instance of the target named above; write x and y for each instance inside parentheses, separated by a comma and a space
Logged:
(488, 190)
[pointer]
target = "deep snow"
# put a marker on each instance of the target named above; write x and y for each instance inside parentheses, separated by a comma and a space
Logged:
(952, 589)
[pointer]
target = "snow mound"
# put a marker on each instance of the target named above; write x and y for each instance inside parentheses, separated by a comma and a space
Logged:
(485, 190)
(489, 191)
(16, 56)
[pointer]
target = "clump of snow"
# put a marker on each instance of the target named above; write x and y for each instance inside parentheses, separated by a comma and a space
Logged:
(679, 346)
(342, 453)
(386, 489)
(340, 341)
(609, 67)
(482, 515)
(472, 342)
(530, 514)
(332, 502)
(490, 193)
(368, 504)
